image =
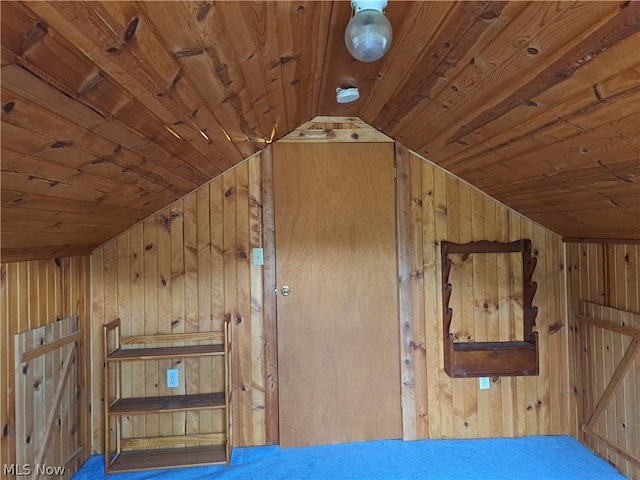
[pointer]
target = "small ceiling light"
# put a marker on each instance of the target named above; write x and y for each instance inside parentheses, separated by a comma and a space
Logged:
(347, 95)
(368, 35)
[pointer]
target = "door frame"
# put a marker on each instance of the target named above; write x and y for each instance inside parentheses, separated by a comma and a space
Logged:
(405, 321)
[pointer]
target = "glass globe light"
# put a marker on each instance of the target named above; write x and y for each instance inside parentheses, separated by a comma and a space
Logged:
(368, 35)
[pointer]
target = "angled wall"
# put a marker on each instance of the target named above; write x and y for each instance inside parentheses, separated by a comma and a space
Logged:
(188, 267)
(185, 269)
(487, 306)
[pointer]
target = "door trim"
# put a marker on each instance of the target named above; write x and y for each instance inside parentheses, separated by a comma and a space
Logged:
(270, 318)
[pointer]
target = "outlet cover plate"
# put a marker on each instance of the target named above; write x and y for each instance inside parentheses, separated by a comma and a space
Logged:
(484, 383)
(258, 256)
(172, 378)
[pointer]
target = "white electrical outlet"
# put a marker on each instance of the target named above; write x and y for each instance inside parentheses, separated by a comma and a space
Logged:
(258, 256)
(172, 378)
(484, 383)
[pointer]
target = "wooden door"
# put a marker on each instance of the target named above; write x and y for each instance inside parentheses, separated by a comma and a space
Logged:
(338, 340)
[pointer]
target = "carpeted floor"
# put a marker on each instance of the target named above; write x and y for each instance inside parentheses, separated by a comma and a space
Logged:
(554, 458)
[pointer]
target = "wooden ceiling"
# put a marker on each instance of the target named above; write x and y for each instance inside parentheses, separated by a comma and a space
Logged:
(112, 110)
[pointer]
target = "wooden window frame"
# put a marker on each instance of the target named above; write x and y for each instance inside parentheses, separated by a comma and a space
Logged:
(490, 359)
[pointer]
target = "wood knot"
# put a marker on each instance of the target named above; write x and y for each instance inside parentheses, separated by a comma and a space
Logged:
(5, 430)
(230, 192)
(148, 247)
(555, 327)
(203, 12)
(355, 136)
(242, 255)
(238, 319)
(490, 15)
(112, 50)
(130, 30)
(164, 282)
(533, 51)
(28, 439)
(58, 262)
(60, 144)
(7, 107)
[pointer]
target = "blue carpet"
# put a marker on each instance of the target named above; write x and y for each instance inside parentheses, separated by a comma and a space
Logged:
(556, 458)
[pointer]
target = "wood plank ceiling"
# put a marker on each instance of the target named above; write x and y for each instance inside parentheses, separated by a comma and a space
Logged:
(112, 110)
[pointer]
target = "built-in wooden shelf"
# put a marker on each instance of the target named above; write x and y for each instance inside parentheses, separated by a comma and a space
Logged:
(135, 461)
(169, 403)
(164, 352)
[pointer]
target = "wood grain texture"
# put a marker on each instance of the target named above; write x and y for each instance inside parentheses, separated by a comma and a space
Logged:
(602, 282)
(487, 301)
(34, 295)
(113, 110)
(405, 291)
(335, 212)
(185, 270)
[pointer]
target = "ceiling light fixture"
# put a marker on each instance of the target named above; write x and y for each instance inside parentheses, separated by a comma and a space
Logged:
(347, 95)
(368, 35)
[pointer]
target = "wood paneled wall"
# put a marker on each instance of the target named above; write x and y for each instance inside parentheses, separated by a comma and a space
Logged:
(34, 294)
(186, 269)
(608, 275)
(487, 305)
(188, 266)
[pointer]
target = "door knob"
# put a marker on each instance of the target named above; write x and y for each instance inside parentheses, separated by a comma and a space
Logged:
(286, 290)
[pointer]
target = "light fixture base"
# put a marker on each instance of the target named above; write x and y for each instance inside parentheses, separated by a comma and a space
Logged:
(347, 95)
(359, 5)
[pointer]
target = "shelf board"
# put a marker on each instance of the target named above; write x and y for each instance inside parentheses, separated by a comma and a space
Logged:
(165, 352)
(482, 346)
(135, 461)
(168, 403)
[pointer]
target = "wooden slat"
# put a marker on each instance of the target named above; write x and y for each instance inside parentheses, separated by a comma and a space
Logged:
(171, 441)
(168, 458)
(49, 347)
(422, 376)
(269, 299)
(619, 374)
(339, 135)
(614, 447)
(164, 352)
(403, 218)
(587, 320)
(173, 337)
(145, 405)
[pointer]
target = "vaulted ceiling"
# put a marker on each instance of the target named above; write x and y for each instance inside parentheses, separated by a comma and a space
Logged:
(112, 110)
